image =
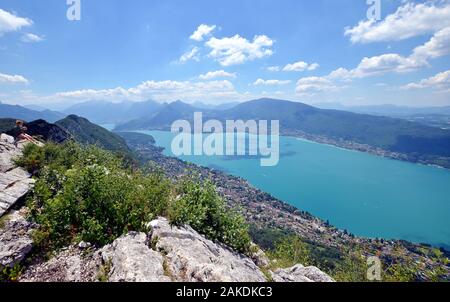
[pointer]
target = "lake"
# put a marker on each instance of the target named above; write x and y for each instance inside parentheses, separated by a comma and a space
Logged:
(365, 194)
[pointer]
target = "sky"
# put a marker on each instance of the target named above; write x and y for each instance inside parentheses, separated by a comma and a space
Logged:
(217, 51)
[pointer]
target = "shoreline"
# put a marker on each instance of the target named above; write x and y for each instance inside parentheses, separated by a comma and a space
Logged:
(340, 144)
(363, 148)
(245, 183)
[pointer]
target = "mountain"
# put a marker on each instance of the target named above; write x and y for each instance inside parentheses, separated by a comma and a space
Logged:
(163, 118)
(22, 113)
(391, 134)
(104, 112)
(43, 130)
(35, 107)
(224, 106)
(7, 124)
(389, 109)
(86, 132)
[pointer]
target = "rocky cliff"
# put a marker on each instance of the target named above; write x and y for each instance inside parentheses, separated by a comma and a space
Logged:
(165, 253)
(14, 182)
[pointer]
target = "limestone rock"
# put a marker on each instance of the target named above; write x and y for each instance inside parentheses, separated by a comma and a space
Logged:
(131, 260)
(15, 183)
(6, 138)
(260, 258)
(15, 239)
(69, 265)
(191, 257)
(8, 152)
(299, 273)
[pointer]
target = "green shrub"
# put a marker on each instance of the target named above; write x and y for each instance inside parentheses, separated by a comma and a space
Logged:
(32, 158)
(290, 251)
(351, 268)
(10, 274)
(84, 193)
(203, 209)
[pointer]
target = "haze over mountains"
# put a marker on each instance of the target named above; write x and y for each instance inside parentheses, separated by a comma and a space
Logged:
(392, 134)
(387, 109)
(26, 114)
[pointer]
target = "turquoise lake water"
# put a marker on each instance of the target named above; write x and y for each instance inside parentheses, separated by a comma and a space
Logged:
(367, 195)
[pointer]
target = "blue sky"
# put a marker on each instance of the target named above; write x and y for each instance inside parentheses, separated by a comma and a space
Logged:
(221, 51)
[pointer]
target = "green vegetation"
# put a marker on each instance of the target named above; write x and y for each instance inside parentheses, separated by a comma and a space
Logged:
(349, 264)
(204, 210)
(290, 251)
(104, 271)
(10, 274)
(84, 193)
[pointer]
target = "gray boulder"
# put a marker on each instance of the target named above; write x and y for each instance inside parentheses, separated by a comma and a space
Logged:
(4, 138)
(15, 239)
(15, 183)
(190, 257)
(69, 265)
(299, 273)
(130, 259)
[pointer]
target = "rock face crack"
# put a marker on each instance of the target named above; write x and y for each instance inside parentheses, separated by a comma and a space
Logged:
(15, 239)
(15, 182)
(191, 257)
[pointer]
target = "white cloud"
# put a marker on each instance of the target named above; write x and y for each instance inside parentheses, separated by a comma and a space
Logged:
(438, 46)
(440, 81)
(216, 74)
(271, 82)
(315, 84)
(157, 90)
(10, 22)
(378, 65)
(31, 38)
(12, 79)
(273, 68)
(410, 20)
(300, 66)
(202, 31)
(190, 55)
(238, 50)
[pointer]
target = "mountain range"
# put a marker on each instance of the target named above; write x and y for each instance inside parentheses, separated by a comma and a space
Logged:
(388, 109)
(393, 134)
(103, 112)
(26, 114)
(71, 127)
(420, 142)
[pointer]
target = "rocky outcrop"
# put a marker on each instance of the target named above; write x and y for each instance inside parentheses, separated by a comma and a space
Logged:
(43, 130)
(165, 254)
(191, 257)
(72, 264)
(299, 273)
(15, 239)
(130, 259)
(14, 182)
